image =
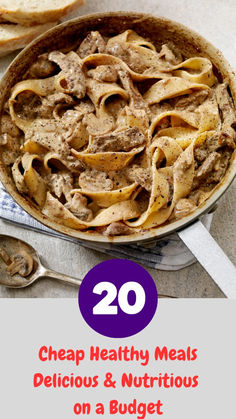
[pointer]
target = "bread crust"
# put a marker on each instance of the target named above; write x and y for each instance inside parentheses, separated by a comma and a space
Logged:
(13, 37)
(31, 18)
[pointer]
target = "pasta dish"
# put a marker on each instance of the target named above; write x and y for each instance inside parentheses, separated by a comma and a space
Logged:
(116, 136)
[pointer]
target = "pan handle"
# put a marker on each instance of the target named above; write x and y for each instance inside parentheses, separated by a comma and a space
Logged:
(211, 257)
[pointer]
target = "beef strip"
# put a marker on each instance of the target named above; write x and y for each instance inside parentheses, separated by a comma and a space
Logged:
(85, 106)
(228, 116)
(10, 139)
(118, 141)
(139, 175)
(183, 163)
(136, 99)
(107, 73)
(225, 104)
(93, 180)
(220, 168)
(48, 134)
(98, 125)
(78, 207)
(127, 54)
(94, 42)
(8, 126)
(74, 79)
(74, 165)
(61, 184)
(208, 165)
(213, 143)
(57, 98)
(117, 229)
(9, 157)
(192, 101)
(227, 136)
(71, 128)
(212, 169)
(168, 58)
(42, 68)
(10, 142)
(184, 207)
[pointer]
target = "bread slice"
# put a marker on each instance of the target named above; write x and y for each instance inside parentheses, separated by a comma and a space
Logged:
(34, 12)
(13, 37)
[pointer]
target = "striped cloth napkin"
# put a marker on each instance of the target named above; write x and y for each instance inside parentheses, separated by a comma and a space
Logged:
(168, 253)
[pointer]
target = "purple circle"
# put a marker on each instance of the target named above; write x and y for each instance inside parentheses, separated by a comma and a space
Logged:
(118, 272)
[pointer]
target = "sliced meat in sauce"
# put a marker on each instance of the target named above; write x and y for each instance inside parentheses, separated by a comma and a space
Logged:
(72, 129)
(42, 68)
(225, 104)
(48, 134)
(75, 165)
(61, 184)
(184, 207)
(136, 99)
(118, 141)
(94, 42)
(220, 168)
(74, 78)
(106, 73)
(78, 207)
(93, 180)
(212, 169)
(58, 98)
(128, 54)
(139, 175)
(192, 101)
(98, 125)
(117, 229)
(208, 165)
(8, 126)
(228, 115)
(9, 157)
(168, 58)
(10, 139)
(85, 106)
(225, 137)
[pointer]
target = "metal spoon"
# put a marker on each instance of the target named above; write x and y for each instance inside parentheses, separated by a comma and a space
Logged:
(12, 245)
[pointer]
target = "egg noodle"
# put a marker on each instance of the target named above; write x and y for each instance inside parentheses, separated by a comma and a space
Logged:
(116, 136)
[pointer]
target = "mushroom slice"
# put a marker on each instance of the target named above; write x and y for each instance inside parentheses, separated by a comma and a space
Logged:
(21, 263)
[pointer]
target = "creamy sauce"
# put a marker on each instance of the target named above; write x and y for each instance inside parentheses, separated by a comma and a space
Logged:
(117, 136)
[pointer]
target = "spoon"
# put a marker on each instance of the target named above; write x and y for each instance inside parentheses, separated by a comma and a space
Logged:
(12, 246)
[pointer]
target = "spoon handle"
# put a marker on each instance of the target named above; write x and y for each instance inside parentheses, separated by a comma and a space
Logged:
(61, 277)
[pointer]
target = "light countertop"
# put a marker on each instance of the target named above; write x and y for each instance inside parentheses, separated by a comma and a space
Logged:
(214, 19)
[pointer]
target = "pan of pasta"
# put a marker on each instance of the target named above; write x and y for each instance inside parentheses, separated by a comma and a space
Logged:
(118, 127)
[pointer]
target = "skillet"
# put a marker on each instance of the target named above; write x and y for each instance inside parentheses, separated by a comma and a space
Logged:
(159, 30)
